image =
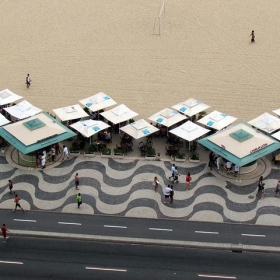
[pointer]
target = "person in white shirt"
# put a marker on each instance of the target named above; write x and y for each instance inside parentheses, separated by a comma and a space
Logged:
(65, 153)
(228, 166)
(28, 81)
(43, 160)
(167, 194)
(172, 171)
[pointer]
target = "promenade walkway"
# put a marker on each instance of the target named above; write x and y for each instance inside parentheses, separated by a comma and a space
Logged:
(123, 187)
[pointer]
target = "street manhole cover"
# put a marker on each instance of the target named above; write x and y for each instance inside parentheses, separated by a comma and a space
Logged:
(251, 197)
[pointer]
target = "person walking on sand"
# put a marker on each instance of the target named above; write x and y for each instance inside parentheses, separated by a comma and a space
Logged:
(188, 181)
(17, 199)
(252, 35)
(65, 153)
(79, 200)
(28, 81)
(10, 186)
(155, 183)
(4, 232)
(77, 181)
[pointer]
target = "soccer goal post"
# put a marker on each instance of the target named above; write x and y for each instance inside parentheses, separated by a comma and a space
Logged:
(158, 20)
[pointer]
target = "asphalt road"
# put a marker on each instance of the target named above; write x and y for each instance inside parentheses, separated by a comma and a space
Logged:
(38, 258)
(142, 228)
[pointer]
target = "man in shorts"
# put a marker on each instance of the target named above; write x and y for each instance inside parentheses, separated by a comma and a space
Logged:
(17, 199)
(4, 232)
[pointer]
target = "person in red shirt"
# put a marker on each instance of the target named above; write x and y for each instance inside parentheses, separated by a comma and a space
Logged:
(4, 232)
(188, 181)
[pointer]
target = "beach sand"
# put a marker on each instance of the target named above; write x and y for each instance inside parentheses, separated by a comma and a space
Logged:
(74, 49)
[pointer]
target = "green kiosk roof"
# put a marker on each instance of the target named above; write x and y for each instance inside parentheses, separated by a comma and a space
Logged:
(241, 144)
(35, 133)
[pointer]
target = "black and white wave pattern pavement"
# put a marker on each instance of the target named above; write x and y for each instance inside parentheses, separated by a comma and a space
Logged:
(124, 188)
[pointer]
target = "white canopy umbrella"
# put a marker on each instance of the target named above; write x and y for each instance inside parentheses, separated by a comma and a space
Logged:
(277, 112)
(190, 107)
(23, 110)
(70, 113)
(3, 120)
(167, 117)
(189, 131)
(217, 120)
(276, 135)
(7, 97)
(119, 114)
(98, 102)
(266, 122)
(89, 127)
(139, 129)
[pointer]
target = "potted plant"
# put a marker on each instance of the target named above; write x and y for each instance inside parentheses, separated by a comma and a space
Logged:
(74, 150)
(90, 151)
(201, 115)
(180, 157)
(150, 154)
(131, 121)
(119, 152)
(106, 152)
(194, 157)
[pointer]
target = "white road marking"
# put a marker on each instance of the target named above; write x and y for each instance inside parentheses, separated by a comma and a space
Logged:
(19, 220)
(75, 224)
(207, 232)
(216, 276)
(9, 262)
(114, 226)
(163, 229)
(106, 269)
(254, 235)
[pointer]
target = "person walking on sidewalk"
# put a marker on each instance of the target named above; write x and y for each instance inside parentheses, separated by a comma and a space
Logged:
(77, 181)
(167, 194)
(188, 181)
(172, 171)
(4, 232)
(155, 183)
(65, 153)
(176, 175)
(277, 188)
(10, 186)
(171, 194)
(17, 199)
(260, 186)
(79, 200)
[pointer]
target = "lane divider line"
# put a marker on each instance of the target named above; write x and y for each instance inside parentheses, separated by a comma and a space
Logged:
(64, 223)
(216, 276)
(207, 232)
(109, 226)
(20, 220)
(10, 262)
(253, 235)
(163, 229)
(106, 269)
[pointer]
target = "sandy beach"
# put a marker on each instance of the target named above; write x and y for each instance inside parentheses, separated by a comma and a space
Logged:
(73, 49)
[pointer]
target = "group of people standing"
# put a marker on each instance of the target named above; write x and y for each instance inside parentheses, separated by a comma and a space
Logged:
(169, 190)
(261, 190)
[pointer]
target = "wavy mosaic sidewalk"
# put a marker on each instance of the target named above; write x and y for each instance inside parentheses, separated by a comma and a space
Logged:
(124, 188)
